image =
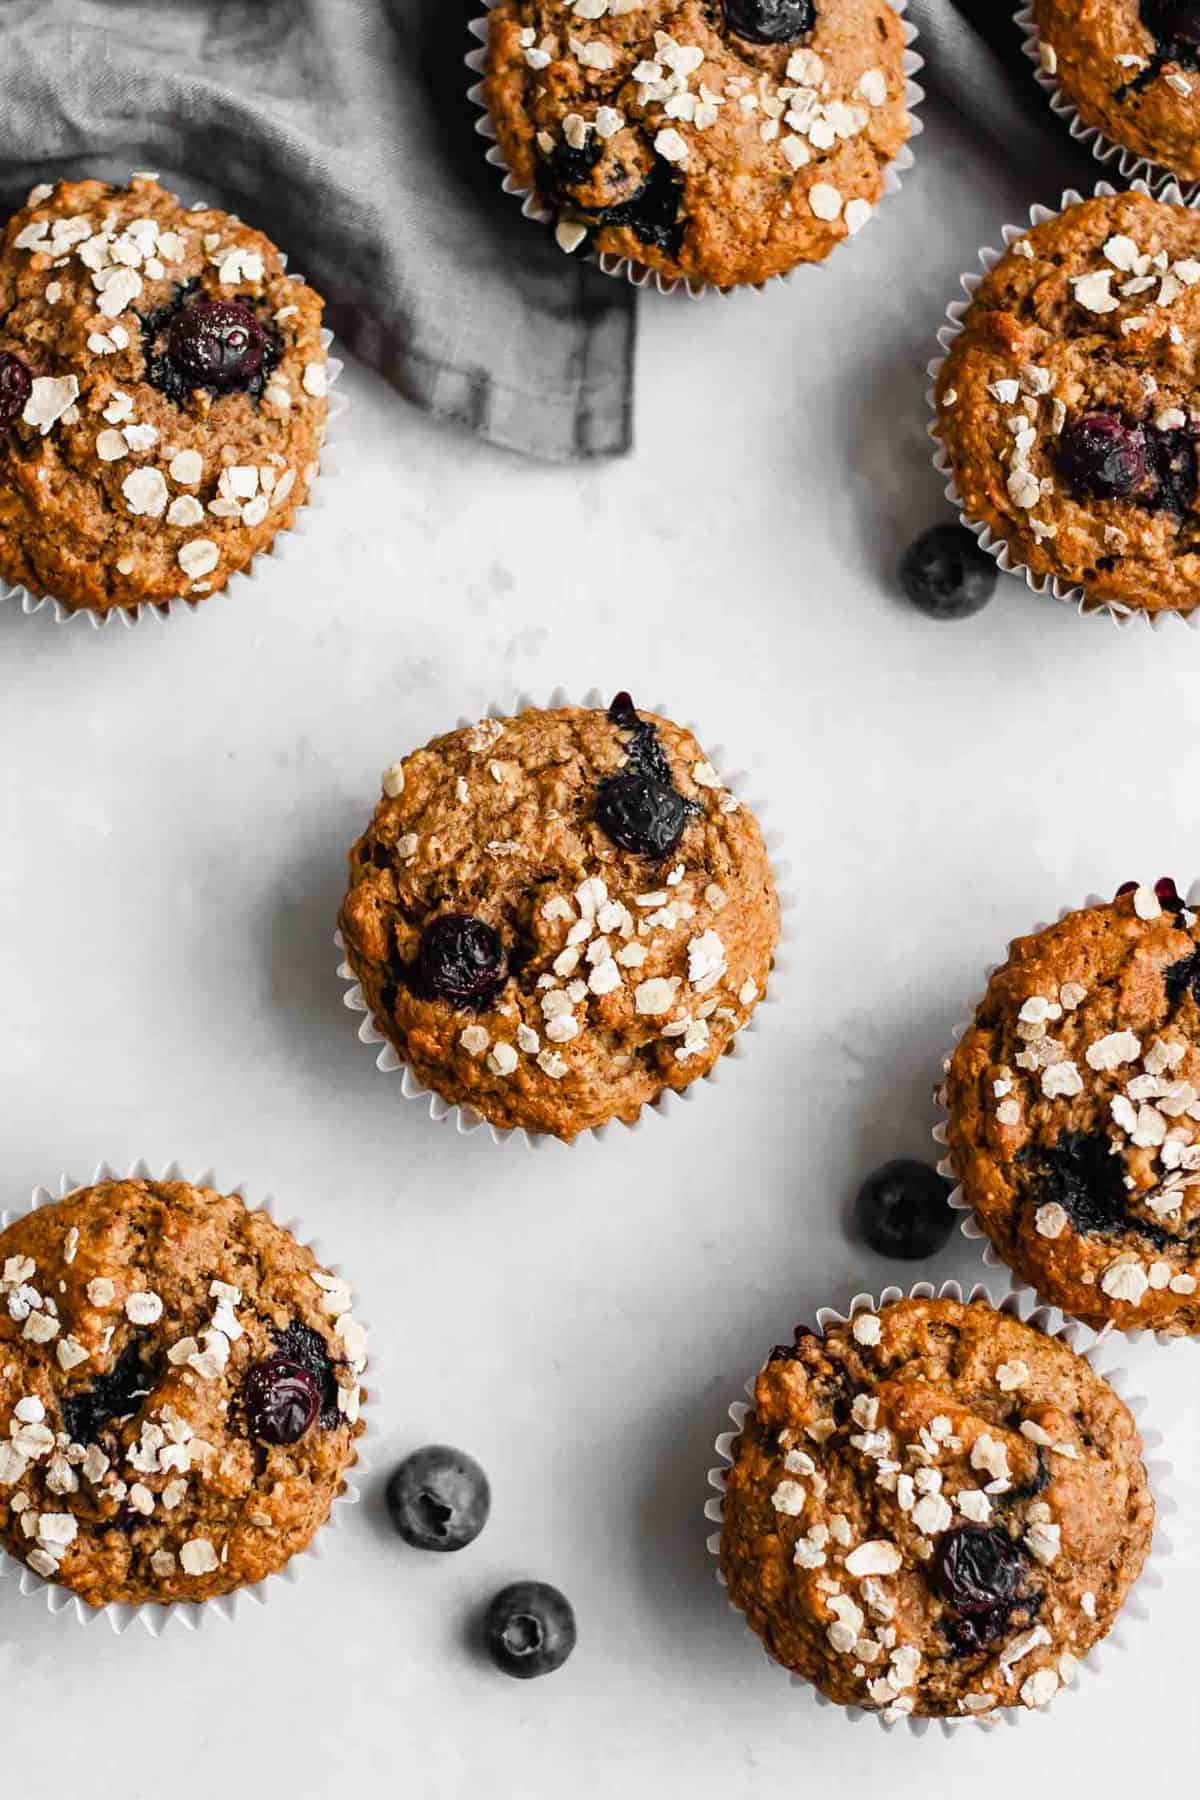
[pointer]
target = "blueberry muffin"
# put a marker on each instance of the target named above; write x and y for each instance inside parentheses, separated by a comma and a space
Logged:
(179, 1392)
(1132, 68)
(934, 1511)
(1069, 404)
(1074, 1112)
(720, 143)
(557, 916)
(162, 395)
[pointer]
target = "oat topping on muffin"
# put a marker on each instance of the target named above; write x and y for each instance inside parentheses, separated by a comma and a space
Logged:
(1131, 68)
(555, 917)
(179, 1392)
(1074, 1112)
(162, 395)
(1069, 404)
(723, 143)
(936, 1510)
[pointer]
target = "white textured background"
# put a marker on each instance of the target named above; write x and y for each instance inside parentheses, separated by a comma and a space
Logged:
(175, 808)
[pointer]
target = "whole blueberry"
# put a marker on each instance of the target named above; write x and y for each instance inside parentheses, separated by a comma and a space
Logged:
(16, 384)
(217, 344)
(461, 960)
(977, 1569)
(438, 1499)
(1102, 457)
(1172, 21)
(640, 813)
(282, 1400)
(903, 1209)
(946, 575)
(529, 1629)
(770, 21)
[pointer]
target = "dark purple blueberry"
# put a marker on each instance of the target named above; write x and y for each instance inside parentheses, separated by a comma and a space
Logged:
(439, 1499)
(301, 1344)
(977, 1570)
(1165, 891)
(217, 344)
(770, 21)
(529, 1629)
(107, 1398)
(903, 1209)
(1171, 460)
(1103, 457)
(16, 384)
(1172, 22)
(640, 813)
(282, 1400)
(946, 575)
(461, 960)
(1082, 1175)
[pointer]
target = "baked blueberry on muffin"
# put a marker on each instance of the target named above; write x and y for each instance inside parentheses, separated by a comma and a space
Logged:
(179, 1392)
(1074, 1112)
(717, 141)
(1069, 405)
(556, 916)
(935, 1510)
(162, 395)
(1132, 68)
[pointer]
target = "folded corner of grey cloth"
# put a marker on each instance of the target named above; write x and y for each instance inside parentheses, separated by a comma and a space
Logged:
(343, 128)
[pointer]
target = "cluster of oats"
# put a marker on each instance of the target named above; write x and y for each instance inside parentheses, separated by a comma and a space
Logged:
(120, 258)
(862, 1624)
(1154, 1111)
(1026, 393)
(1142, 274)
(802, 114)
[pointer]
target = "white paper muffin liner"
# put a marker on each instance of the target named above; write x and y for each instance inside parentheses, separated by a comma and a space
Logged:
(1158, 1470)
(1006, 556)
(1128, 163)
(277, 549)
(464, 1118)
(639, 275)
(156, 1617)
(969, 1223)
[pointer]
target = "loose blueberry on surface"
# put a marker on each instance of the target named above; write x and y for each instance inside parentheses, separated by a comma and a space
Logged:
(903, 1209)
(1102, 456)
(439, 1499)
(107, 1398)
(16, 383)
(946, 575)
(977, 1569)
(217, 344)
(770, 21)
(529, 1629)
(282, 1398)
(461, 960)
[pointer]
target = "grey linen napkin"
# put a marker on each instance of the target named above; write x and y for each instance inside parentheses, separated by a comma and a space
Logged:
(342, 127)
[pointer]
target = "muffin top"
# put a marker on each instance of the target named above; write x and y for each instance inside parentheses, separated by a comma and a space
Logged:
(555, 917)
(935, 1510)
(1131, 67)
(162, 395)
(179, 1392)
(1069, 403)
(721, 143)
(1074, 1103)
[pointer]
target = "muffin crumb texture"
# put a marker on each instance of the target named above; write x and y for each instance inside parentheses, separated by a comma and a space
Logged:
(1074, 1112)
(1131, 68)
(179, 1392)
(1068, 403)
(162, 395)
(557, 916)
(934, 1511)
(720, 144)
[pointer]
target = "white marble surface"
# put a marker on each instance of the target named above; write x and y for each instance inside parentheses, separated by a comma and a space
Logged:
(174, 812)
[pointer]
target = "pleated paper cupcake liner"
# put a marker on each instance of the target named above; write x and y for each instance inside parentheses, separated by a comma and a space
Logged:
(278, 550)
(1051, 1324)
(156, 1617)
(969, 1223)
(1129, 164)
(465, 1119)
(1006, 557)
(639, 275)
